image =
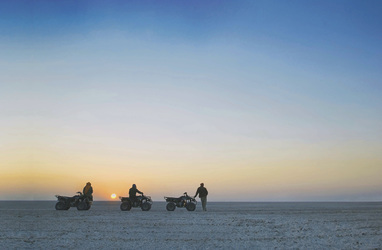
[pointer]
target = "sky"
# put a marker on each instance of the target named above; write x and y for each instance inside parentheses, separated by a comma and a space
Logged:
(260, 100)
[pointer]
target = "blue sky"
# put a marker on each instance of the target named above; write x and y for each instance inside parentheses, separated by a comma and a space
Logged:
(253, 90)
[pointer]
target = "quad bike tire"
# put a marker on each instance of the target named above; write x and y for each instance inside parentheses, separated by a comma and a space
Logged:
(125, 206)
(170, 206)
(82, 206)
(145, 206)
(61, 206)
(190, 206)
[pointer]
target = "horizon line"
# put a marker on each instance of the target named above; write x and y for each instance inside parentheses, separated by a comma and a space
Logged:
(320, 201)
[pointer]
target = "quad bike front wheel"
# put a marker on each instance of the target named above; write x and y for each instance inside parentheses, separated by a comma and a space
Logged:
(145, 206)
(125, 206)
(61, 206)
(190, 206)
(170, 206)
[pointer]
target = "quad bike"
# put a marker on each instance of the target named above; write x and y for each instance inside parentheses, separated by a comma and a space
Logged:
(80, 201)
(183, 201)
(142, 201)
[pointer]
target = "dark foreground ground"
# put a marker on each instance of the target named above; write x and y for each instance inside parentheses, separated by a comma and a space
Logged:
(37, 225)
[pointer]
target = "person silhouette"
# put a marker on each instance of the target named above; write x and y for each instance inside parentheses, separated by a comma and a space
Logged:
(133, 193)
(202, 191)
(88, 192)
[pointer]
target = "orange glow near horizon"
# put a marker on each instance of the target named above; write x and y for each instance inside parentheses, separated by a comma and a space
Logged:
(302, 174)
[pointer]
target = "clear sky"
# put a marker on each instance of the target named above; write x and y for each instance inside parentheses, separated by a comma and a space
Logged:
(260, 100)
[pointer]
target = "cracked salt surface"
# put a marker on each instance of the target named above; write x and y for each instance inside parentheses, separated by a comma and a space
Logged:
(37, 225)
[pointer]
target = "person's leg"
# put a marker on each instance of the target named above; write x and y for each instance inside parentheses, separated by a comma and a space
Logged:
(133, 199)
(204, 203)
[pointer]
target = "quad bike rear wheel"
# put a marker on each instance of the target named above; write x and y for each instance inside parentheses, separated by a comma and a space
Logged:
(190, 206)
(125, 206)
(61, 206)
(170, 206)
(82, 206)
(145, 206)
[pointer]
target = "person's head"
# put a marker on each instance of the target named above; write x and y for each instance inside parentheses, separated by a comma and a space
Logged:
(134, 186)
(202, 184)
(88, 183)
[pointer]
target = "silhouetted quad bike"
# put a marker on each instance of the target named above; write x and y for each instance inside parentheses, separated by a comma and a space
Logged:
(80, 201)
(183, 201)
(142, 201)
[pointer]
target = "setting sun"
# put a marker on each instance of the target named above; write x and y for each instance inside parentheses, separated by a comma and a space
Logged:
(113, 196)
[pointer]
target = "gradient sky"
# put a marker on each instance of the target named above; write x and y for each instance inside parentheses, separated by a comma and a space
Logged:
(260, 100)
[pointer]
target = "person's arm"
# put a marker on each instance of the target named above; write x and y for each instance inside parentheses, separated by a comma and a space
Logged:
(197, 192)
(139, 191)
(206, 192)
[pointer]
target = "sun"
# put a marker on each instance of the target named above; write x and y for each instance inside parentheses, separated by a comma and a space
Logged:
(113, 196)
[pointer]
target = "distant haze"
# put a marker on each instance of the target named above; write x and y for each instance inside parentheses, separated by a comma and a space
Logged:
(260, 100)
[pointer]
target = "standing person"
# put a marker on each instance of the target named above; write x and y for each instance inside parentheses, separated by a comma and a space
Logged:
(202, 191)
(133, 193)
(88, 192)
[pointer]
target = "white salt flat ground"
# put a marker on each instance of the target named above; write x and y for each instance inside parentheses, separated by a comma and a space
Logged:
(36, 225)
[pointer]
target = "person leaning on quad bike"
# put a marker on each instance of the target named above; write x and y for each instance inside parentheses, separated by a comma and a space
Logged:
(88, 192)
(202, 191)
(82, 201)
(133, 193)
